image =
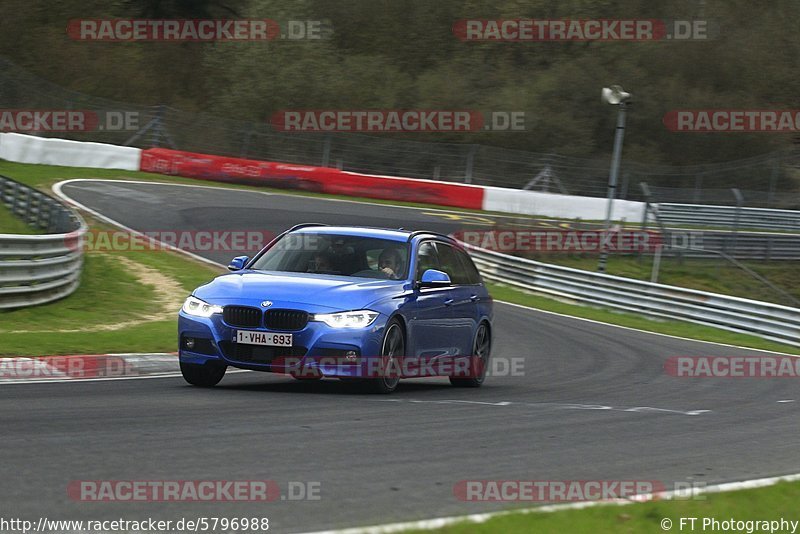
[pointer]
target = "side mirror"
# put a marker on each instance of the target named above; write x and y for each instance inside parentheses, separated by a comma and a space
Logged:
(434, 278)
(238, 263)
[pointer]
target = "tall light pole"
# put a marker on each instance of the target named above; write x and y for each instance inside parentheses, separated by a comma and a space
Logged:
(615, 96)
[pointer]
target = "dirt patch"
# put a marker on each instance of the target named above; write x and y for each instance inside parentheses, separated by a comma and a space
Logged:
(169, 295)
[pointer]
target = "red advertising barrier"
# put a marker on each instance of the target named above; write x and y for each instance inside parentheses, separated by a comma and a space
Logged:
(309, 178)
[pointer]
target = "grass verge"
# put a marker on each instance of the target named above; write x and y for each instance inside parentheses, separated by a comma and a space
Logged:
(772, 503)
(10, 224)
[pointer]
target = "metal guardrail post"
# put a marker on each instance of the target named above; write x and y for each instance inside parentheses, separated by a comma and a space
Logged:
(326, 151)
(773, 180)
(473, 149)
(155, 131)
(646, 214)
(738, 215)
(44, 211)
(648, 201)
(16, 198)
(656, 264)
(26, 204)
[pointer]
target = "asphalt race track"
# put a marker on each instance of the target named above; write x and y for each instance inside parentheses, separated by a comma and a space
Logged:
(593, 403)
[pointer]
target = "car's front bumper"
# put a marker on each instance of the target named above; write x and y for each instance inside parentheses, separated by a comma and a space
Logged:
(318, 349)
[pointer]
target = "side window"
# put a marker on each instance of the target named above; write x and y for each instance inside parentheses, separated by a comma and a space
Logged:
(473, 276)
(426, 258)
(451, 264)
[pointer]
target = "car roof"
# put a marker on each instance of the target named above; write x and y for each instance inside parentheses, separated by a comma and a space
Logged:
(380, 233)
(368, 231)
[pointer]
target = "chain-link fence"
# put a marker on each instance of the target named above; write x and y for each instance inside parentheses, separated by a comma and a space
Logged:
(765, 181)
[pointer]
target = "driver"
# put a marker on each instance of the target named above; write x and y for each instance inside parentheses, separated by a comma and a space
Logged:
(320, 263)
(390, 262)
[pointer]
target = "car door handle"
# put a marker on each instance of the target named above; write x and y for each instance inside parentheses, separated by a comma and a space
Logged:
(474, 298)
(448, 302)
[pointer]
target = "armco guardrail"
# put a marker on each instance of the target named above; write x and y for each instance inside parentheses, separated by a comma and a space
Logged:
(35, 269)
(729, 216)
(770, 321)
(739, 245)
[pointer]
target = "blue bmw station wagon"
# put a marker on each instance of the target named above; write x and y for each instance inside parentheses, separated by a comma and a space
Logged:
(363, 304)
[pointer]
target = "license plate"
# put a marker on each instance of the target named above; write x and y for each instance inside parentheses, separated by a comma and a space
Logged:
(269, 339)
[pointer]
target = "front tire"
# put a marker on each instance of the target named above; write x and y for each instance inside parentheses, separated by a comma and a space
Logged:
(479, 360)
(392, 351)
(205, 376)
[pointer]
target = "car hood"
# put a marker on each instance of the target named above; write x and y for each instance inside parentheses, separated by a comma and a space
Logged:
(315, 293)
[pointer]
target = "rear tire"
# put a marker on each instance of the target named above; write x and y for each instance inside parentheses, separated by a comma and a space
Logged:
(392, 348)
(479, 358)
(205, 376)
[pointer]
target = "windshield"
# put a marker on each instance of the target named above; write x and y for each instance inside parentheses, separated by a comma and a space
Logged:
(343, 255)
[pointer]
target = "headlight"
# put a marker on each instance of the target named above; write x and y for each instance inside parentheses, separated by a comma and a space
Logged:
(199, 308)
(350, 319)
